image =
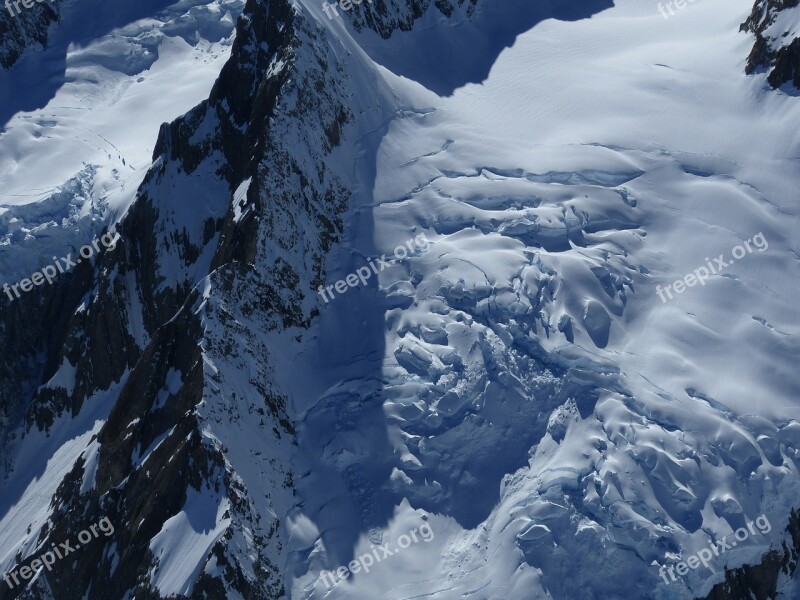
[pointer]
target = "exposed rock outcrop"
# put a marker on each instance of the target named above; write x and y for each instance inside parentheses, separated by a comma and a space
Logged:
(776, 49)
(22, 28)
(760, 581)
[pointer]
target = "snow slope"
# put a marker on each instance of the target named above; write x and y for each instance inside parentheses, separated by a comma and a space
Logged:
(599, 159)
(515, 384)
(80, 118)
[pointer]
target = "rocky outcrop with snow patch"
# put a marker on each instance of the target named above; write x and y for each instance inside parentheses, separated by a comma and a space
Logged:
(25, 28)
(776, 25)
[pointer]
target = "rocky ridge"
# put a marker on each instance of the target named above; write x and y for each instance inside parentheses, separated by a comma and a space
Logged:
(777, 47)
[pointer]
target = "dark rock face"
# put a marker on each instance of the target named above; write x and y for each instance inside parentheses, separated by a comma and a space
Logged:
(24, 28)
(787, 65)
(759, 581)
(387, 16)
(773, 50)
(35, 332)
(173, 327)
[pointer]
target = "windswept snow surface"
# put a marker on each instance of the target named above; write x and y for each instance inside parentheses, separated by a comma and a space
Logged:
(80, 118)
(521, 383)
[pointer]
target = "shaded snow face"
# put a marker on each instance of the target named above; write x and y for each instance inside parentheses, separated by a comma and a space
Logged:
(444, 54)
(363, 274)
(364, 562)
(61, 265)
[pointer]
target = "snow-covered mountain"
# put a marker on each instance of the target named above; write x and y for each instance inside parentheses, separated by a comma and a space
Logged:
(393, 311)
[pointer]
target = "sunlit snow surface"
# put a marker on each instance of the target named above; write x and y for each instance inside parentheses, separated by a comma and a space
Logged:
(599, 159)
(79, 120)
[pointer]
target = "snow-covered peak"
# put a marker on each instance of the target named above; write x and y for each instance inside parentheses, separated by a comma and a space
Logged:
(410, 284)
